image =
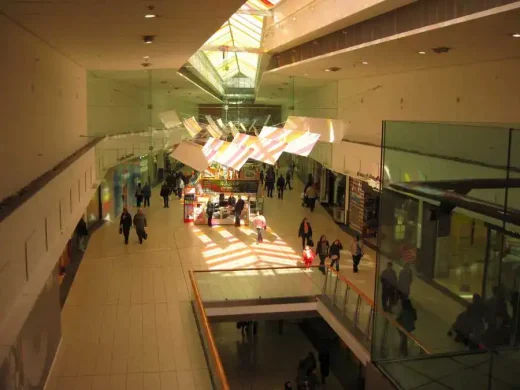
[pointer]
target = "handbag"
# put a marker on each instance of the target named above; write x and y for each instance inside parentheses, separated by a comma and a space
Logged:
(310, 242)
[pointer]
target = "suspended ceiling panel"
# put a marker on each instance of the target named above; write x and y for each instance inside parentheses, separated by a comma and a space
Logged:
(298, 142)
(170, 119)
(192, 126)
(264, 150)
(190, 154)
(331, 130)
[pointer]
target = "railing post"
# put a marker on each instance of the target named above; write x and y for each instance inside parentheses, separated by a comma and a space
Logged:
(369, 324)
(345, 300)
(326, 280)
(356, 314)
(335, 291)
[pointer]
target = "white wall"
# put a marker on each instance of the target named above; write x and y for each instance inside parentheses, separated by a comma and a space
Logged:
(43, 110)
(116, 106)
(164, 102)
(486, 92)
(32, 238)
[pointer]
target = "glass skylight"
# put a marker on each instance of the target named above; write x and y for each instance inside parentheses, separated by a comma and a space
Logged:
(235, 48)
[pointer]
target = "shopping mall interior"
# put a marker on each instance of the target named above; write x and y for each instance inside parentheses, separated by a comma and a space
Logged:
(323, 194)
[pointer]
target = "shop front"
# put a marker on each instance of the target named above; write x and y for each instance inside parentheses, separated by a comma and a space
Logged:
(363, 206)
(333, 191)
(217, 185)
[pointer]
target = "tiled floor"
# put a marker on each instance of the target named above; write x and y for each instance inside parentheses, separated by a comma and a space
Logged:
(128, 323)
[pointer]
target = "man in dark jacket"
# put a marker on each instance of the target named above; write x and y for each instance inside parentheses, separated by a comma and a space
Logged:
(210, 209)
(147, 193)
(269, 182)
(165, 194)
(140, 225)
(125, 224)
(288, 177)
(280, 185)
(239, 206)
(389, 287)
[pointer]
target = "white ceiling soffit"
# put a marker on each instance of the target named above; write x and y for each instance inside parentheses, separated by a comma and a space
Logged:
(170, 119)
(190, 154)
(331, 130)
(481, 37)
(100, 34)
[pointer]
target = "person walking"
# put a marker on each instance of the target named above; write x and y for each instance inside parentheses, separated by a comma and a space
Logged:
(140, 225)
(260, 224)
(210, 209)
(404, 282)
(322, 250)
(239, 207)
(125, 224)
(311, 197)
(308, 256)
(288, 177)
(180, 186)
(232, 201)
(147, 193)
(269, 182)
(406, 319)
(389, 284)
(334, 253)
(165, 194)
(324, 359)
(305, 232)
(356, 249)
(139, 195)
(82, 233)
(280, 185)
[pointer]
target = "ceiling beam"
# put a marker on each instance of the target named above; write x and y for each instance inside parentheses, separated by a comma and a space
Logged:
(233, 49)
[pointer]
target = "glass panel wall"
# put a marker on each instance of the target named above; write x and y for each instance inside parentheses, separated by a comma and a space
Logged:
(449, 239)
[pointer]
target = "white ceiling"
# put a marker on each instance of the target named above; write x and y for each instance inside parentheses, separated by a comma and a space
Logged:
(107, 34)
(479, 40)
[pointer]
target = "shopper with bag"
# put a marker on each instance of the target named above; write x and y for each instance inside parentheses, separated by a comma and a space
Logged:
(260, 224)
(140, 225)
(356, 249)
(305, 232)
(334, 252)
(322, 250)
(125, 224)
(139, 195)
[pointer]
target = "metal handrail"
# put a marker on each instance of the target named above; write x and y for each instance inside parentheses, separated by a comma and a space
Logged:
(211, 341)
(371, 303)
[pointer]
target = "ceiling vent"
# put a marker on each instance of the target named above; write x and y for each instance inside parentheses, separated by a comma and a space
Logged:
(333, 69)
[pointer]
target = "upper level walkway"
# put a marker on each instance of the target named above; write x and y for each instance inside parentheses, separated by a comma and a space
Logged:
(128, 322)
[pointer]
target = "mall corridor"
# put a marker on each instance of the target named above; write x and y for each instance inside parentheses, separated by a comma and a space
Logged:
(128, 322)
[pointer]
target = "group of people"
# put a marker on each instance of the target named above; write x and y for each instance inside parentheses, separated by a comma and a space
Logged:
(237, 206)
(325, 251)
(270, 180)
(306, 378)
(139, 222)
(487, 322)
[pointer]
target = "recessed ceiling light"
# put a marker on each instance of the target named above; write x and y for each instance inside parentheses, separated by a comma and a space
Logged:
(516, 35)
(422, 52)
(171, 86)
(146, 57)
(365, 63)
(148, 39)
(150, 16)
(332, 69)
(294, 18)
